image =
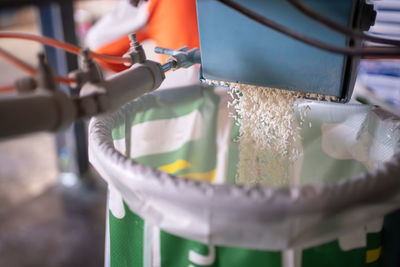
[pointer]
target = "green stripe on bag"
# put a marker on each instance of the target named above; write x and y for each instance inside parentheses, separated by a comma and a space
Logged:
(162, 105)
(126, 240)
(180, 252)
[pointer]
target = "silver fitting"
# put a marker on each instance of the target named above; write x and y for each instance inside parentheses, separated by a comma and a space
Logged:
(44, 77)
(180, 58)
(136, 52)
(89, 72)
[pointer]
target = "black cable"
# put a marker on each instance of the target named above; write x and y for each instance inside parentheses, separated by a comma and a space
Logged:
(309, 12)
(308, 40)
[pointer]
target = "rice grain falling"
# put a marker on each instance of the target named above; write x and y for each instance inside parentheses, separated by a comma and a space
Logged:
(267, 134)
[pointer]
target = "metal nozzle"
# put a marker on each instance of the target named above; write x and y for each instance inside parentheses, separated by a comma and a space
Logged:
(181, 58)
(168, 66)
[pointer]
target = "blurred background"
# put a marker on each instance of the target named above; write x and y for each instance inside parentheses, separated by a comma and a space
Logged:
(378, 81)
(52, 204)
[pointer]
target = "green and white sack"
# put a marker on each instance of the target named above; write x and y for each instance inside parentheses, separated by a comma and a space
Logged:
(170, 158)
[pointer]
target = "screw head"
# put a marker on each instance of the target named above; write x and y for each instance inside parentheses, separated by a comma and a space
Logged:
(132, 37)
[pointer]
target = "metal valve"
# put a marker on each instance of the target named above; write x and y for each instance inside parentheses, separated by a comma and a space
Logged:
(136, 52)
(180, 58)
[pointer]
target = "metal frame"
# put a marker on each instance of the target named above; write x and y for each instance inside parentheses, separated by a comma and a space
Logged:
(57, 21)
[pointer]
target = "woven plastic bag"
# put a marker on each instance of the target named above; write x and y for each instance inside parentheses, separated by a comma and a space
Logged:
(170, 159)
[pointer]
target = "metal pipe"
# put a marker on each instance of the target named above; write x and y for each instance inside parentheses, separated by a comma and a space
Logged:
(132, 83)
(47, 110)
(39, 111)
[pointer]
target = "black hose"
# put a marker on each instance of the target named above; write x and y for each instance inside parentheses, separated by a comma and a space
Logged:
(309, 12)
(381, 52)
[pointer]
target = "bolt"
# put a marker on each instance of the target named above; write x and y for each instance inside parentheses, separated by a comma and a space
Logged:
(87, 60)
(136, 50)
(44, 75)
(85, 53)
(90, 70)
(42, 58)
(132, 37)
(134, 42)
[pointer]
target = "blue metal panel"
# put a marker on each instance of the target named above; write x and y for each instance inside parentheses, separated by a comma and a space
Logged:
(234, 48)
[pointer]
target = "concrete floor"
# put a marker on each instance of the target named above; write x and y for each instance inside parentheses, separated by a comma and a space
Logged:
(60, 227)
(43, 222)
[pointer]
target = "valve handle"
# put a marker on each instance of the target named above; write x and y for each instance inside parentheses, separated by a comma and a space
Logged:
(168, 51)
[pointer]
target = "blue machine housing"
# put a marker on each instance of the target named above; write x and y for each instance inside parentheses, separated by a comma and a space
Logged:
(235, 48)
